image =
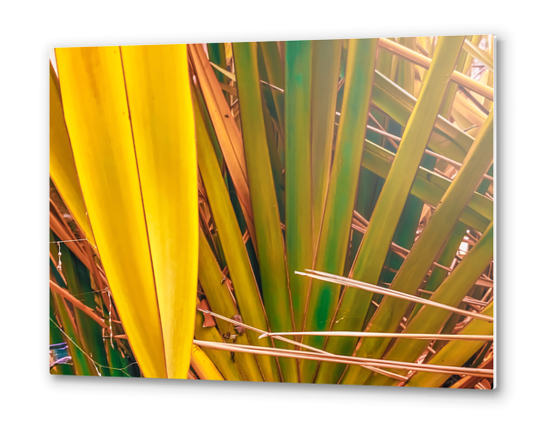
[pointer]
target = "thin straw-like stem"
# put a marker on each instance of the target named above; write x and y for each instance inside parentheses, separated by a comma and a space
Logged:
(324, 276)
(391, 335)
(346, 359)
(302, 345)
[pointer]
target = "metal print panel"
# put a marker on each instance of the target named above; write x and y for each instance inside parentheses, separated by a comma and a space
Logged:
(299, 211)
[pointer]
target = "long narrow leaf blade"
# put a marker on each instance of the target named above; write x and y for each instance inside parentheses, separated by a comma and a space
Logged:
(451, 292)
(333, 240)
(424, 252)
(159, 97)
(456, 352)
(203, 365)
(97, 117)
(382, 226)
(221, 302)
(242, 276)
(326, 62)
(276, 293)
(299, 245)
(62, 167)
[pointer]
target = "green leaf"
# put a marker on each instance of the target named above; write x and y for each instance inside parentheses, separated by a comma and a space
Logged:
(446, 139)
(428, 246)
(78, 280)
(333, 239)
(55, 337)
(455, 353)
(382, 226)
(217, 55)
(66, 324)
(275, 73)
(246, 289)
(299, 226)
(221, 302)
(430, 320)
(276, 294)
(225, 128)
(326, 61)
(446, 257)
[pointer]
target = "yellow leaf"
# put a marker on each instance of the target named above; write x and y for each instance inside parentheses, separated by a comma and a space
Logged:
(159, 97)
(204, 367)
(138, 178)
(62, 168)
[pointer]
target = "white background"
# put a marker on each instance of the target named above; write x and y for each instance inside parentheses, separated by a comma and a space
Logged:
(29, 29)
